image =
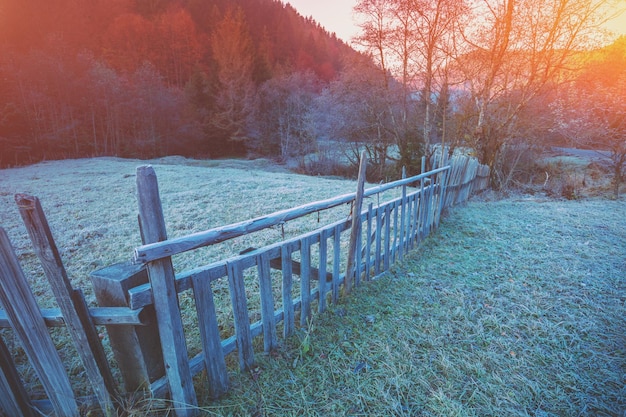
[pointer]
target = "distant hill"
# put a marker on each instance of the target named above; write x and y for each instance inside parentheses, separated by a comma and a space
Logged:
(144, 78)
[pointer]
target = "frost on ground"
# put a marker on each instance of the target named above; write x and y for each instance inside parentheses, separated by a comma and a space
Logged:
(91, 206)
(513, 308)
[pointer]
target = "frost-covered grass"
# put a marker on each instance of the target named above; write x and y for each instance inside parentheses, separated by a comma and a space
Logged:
(91, 206)
(514, 307)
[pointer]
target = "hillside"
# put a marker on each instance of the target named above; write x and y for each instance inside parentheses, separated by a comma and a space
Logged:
(514, 307)
(91, 206)
(136, 78)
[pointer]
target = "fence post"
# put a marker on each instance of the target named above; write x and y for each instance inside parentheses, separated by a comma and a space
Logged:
(162, 280)
(26, 321)
(71, 302)
(14, 400)
(356, 224)
(137, 349)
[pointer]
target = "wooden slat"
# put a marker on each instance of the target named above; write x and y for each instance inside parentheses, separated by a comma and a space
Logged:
(322, 285)
(402, 246)
(26, 321)
(305, 282)
(368, 243)
(214, 362)
(379, 238)
(386, 256)
(396, 244)
(14, 400)
(289, 319)
(71, 302)
(270, 340)
(239, 301)
(110, 316)
(358, 259)
(336, 263)
(161, 274)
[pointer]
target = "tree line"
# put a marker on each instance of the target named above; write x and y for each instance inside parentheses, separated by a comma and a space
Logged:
(144, 78)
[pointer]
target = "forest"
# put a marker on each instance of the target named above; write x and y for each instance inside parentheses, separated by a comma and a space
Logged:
(248, 78)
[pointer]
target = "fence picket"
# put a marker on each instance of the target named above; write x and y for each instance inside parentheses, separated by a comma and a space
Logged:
(402, 246)
(14, 400)
(305, 281)
(214, 362)
(336, 262)
(270, 340)
(322, 284)
(368, 243)
(26, 321)
(240, 312)
(379, 237)
(387, 257)
(288, 318)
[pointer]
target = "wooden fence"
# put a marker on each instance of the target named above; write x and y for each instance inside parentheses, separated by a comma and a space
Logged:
(139, 303)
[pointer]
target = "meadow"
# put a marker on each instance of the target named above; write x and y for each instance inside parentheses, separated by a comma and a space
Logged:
(515, 307)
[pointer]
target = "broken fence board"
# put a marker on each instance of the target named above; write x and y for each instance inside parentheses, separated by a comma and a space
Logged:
(26, 321)
(71, 302)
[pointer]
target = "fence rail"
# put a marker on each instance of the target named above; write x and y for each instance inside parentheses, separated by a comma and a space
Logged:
(140, 306)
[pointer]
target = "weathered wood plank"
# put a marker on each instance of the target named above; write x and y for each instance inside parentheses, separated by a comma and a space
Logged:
(240, 312)
(355, 230)
(109, 316)
(379, 238)
(14, 400)
(336, 263)
(368, 243)
(358, 259)
(162, 280)
(270, 339)
(305, 282)
(386, 257)
(397, 238)
(24, 316)
(214, 361)
(71, 302)
(136, 346)
(323, 284)
(289, 319)
(402, 246)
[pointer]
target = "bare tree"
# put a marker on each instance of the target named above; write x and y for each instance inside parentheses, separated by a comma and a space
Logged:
(515, 51)
(591, 112)
(414, 39)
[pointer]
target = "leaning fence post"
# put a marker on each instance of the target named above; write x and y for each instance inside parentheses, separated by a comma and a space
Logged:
(71, 302)
(137, 349)
(26, 321)
(162, 280)
(356, 223)
(14, 400)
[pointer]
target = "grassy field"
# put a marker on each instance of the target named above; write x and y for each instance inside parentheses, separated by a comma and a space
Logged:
(514, 307)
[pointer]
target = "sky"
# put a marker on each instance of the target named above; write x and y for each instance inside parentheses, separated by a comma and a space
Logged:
(336, 16)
